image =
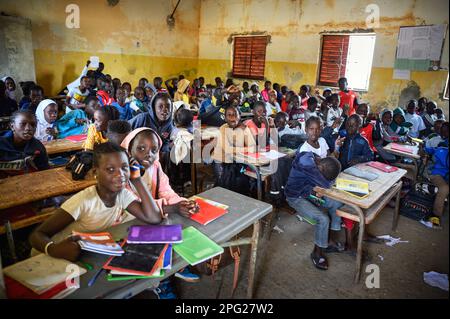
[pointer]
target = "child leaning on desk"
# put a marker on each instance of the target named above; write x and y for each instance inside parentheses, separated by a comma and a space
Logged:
(97, 207)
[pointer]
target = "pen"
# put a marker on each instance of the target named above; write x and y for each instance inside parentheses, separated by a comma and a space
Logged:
(93, 279)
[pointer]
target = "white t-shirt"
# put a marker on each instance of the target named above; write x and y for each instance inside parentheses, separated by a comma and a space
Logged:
(332, 115)
(91, 214)
(417, 122)
(321, 151)
(272, 109)
(76, 97)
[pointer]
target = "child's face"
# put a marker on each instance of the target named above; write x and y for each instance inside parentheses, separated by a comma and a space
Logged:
(24, 127)
(10, 85)
(313, 131)
(444, 131)
(312, 106)
(362, 110)
(245, 86)
(121, 96)
(280, 122)
(437, 127)
(157, 83)
(139, 93)
(334, 101)
(267, 85)
(51, 113)
(232, 117)
(149, 93)
(352, 126)
(145, 148)
(303, 91)
(113, 172)
(387, 118)
(90, 107)
(162, 109)
(326, 93)
(84, 83)
(342, 85)
(142, 83)
(259, 113)
(411, 107)
(398, 119)
(127, 88)
(431, 107)
(100, 121)
(35, 97)
(272, 97)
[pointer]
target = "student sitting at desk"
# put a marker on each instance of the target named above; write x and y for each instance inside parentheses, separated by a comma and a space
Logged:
(20, 152)
(311, 109)
(307, 172)
(386, 135)
(98, 207)
(439, 136)
(125, 111)
(260, 125)
(281, 123)
(36, 96)
(46, 115)
(399, 125)
(117, 131)
(429, 117)
(367, 128)
(97, 131)
(77, 121)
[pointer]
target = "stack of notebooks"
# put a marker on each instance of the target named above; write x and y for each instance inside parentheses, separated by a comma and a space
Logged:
(101, 243)
(39, 277)
(209, 210)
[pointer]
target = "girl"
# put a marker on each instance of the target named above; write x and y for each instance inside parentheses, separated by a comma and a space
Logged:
(46, 115)
(367, 128)
(304, 96)
(150, 91)
(20, 152)
(315, 143)
(10, 88)
(97, 131)
(259, 125)
(128, 94)
(399, 126)
(97, 207)
(138, 104)
(387, 135)
(311, 108)
(181, 93)
(77, 121)
(296, 112)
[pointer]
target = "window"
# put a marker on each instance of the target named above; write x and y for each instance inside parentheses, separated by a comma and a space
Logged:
(249, 57)
(347, 56)
(445, 95)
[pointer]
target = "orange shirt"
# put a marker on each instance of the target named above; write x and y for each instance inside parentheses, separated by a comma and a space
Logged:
(348, 98)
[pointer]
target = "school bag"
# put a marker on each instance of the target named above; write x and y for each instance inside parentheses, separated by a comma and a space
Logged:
(418, 202)
(80, 164)
(233, 177)
(278, 181)
(213, 117)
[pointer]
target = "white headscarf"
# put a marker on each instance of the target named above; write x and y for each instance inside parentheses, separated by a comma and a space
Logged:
(42, 123)
(11, 94)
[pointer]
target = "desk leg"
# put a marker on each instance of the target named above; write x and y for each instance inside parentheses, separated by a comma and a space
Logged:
(397, 208)
(253, 251)
(360, 242)
(194, 177)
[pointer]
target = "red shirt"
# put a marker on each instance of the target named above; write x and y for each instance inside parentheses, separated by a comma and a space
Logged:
(367, 132)
(304, 102)
(348, 98)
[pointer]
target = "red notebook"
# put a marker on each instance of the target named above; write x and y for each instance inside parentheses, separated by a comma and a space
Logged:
(382, 167)
(15, 290)
(401, 148)
(76, 138)
(208, 212)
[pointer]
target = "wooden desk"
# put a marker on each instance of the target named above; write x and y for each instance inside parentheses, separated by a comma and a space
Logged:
(383, 188)
(413, 155)
(35, 186)
(243, 212)
(62, 146)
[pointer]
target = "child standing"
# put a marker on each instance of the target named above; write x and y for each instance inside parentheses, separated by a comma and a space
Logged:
(260, 125)
(367, 128)
(347, 97)
(46, 115)
(308, 172)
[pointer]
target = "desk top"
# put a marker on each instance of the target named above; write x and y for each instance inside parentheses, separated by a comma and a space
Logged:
(243, 212)
(377, 187)
(414, 148)
(22, 189)
(262, 160)
(62, 146)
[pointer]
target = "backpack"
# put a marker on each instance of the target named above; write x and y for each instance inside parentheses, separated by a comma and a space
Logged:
(279, 179)
(80, 164)
(213, 117)
(232, 177)
(418, 203)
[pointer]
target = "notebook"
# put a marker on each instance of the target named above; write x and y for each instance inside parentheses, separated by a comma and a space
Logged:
(154, 234)
(383, 167)
(167, 263)
(101, 243)
(15, 290)
(401, 148)
(138, 259)
(196, 246)
(209, 210)
(40, 273)
(76, 138)
(117, 277)
(352, 186)
(355, 171)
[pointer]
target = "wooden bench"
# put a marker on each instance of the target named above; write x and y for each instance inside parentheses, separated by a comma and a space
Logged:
(372, 212)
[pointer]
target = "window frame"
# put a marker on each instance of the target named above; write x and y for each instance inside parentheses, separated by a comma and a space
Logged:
(249, 76)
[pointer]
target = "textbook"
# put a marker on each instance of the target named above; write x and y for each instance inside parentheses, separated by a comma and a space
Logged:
(209, 210)
(154, 234)
(138, 259)
(101, 243)
(383, 167)
(401, 148)
(352, 186)
(196, 247)
(40, 273)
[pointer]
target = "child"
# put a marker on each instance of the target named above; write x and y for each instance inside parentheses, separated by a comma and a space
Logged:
(125, 111)
(265, 91)
(411, 116)
(277, 89)
(181, 93)
(20, 152)
(399, 125)
(172, 88)
(98, 207)
(439, 113)
(315, 143)
(139, 103)
(127, 87)
(7, 105)
(421, 105)
(36, 96)
(104, 91)
(347, 97)
(367, 128)
(281, 123)
(11, 91)
(388, 135)
(308, 172)
(259, 125)
(76, 96)
(157, 82)
(117, 131)
(429, 117)
(46, 115)
(311, 108)
(334, 115)
(355, 148)
(184, 118)
(296, 112)
(272, 106)
(304, 96)
(97, 131)
(439, 135)
(150, 91)
(142, 82)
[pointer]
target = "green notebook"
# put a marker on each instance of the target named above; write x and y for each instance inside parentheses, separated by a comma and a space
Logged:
(196, 246)
(110, 277)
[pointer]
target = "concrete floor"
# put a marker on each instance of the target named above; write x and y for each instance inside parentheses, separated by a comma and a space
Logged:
(285, 270)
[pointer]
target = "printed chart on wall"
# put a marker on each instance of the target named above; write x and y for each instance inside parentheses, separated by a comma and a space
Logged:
(419, 48)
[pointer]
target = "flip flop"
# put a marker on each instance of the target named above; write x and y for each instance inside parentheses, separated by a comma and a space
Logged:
(320, 262)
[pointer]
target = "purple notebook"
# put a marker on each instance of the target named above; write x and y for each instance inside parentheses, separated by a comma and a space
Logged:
(154, 234)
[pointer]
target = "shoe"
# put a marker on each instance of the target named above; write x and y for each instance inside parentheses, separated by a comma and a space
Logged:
(187, 275)
(165, 290)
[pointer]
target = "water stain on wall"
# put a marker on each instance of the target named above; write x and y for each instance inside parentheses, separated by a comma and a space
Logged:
(412, 91)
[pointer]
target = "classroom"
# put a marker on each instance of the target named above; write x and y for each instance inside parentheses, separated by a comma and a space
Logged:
(240, 149)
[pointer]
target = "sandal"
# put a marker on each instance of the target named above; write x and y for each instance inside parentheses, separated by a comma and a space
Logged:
(319, 261)
(336, 248)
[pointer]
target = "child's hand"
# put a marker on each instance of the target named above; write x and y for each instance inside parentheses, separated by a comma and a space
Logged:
(339, 141)
(67, 249)
(81, 121)
(185, 208)
(271, 122)
(51, 131)
(135, 169)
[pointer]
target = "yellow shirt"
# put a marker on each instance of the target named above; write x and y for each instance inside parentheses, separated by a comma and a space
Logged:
(93, 138)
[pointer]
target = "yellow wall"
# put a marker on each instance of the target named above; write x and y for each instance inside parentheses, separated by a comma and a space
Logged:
(295, 27)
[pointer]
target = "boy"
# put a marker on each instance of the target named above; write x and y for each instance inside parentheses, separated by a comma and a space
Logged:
(265, 92)
(429, 117)
(367, 129)
(281, 123)
(334, 115)
(36, 96)
(440, 134)
(303, 95)
(157, 82)
(418, 126)
(311, 108)
(76, 96)
(308, 172)
(117, 131)
(125, 111)
(347, 97)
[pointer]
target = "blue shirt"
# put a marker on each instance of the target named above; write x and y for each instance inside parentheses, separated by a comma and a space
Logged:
(126, 113)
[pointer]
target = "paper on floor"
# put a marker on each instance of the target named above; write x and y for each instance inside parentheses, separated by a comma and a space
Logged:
(436, 279)
(391, 241)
